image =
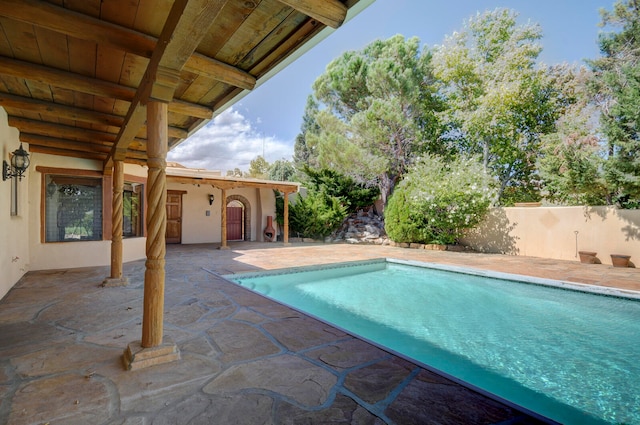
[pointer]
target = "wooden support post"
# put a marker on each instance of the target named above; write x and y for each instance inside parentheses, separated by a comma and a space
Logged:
(285, 231)
(117, 209)
(223, 220)
(151, 350)
(157, 140)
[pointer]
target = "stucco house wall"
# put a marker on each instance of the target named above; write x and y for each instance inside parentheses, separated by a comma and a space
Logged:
(62, 255)
(14, 230)
(201, 222)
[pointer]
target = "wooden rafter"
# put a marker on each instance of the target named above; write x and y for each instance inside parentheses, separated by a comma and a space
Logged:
(332, 13)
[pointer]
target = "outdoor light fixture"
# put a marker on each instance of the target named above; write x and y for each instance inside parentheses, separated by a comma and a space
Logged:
(19, 164)
(210, 199)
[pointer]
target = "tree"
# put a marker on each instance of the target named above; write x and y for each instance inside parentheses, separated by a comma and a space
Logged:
(282, 170)
(379, 112)
(258, 168)
(500, 102)
(572, 160)
(236, 172)
(305, 155)
(618, 82)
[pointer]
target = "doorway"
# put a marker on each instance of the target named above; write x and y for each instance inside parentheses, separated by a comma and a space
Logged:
(235, 221)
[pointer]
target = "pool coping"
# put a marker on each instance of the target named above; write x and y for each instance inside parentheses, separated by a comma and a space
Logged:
(560, 284)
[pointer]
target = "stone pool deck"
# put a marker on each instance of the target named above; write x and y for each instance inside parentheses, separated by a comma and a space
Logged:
(244, 359)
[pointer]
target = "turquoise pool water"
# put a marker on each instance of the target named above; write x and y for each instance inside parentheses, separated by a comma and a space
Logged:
(571, 356)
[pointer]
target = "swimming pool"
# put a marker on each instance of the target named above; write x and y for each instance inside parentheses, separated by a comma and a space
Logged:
(568, 355)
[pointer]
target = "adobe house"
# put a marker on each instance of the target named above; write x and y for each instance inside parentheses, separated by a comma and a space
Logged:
(96, 92)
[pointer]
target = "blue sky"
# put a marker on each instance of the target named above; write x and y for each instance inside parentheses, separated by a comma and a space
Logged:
(268, 119)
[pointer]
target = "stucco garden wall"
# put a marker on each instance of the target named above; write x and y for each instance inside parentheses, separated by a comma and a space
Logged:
(559, 232)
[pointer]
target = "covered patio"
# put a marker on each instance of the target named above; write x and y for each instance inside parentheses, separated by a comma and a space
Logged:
(97, 92)
(244, 359)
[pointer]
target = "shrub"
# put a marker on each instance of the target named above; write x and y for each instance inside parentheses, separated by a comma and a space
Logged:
(316, 215)
(438, 201)
(352, 194)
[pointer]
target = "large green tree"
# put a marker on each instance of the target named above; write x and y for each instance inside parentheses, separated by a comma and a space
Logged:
(500, 100)
(618, 84)
(572, 160)
(377, 112)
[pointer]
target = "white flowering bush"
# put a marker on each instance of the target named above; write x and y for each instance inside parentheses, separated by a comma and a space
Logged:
(438, 201)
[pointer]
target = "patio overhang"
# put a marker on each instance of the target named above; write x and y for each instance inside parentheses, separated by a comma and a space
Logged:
(124, 81)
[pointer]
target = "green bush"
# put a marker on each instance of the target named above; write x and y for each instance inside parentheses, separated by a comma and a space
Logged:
(316, 215)
(438, 201)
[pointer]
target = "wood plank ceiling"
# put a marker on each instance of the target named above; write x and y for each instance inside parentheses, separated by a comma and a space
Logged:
(72, 72)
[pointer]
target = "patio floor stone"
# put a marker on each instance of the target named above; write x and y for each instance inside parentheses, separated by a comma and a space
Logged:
(245, 359)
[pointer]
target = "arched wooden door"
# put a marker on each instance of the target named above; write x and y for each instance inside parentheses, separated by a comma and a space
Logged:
(235, 220)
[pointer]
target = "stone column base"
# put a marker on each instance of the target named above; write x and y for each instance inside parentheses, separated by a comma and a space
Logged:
(111, 282)
(137, 357)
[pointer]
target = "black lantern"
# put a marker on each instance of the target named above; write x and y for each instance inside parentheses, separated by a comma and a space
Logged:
(210, 199)
(19, 164)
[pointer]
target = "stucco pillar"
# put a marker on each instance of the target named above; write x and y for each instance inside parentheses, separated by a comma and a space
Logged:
(117, 208)
(223, 220)
(151, 350)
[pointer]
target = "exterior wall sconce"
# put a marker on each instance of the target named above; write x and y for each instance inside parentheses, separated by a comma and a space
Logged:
(210, 199)
(19, 164)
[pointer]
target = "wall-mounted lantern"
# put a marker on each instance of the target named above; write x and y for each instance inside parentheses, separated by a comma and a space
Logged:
(19, 164)
(210, 199)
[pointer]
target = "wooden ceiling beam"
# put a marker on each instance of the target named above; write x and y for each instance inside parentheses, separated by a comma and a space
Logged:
(51, 109)
(60, 131)
(55, 18)
(71, 153)
(54, 142)
(57, 111)
(87, 85)
(332, 13)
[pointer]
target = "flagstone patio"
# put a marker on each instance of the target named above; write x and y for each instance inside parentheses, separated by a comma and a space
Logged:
(244, 359)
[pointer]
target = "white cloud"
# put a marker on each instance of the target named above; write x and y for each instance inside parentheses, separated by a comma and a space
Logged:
(227, 142)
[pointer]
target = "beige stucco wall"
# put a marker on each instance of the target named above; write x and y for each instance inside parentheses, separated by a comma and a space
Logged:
(198, 227)
(560, 232)
(14, 230)
(61, 255)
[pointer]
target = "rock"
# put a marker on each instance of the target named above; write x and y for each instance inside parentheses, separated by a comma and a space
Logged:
(363, 226)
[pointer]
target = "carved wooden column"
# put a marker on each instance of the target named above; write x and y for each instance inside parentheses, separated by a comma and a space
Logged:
(151, 350)
(223, 220)
(117, 209)
(285, 230)
(152, 321)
